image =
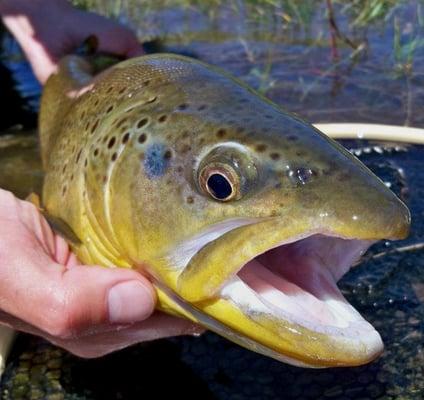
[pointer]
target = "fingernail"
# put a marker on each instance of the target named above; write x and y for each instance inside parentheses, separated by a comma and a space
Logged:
(129, 302)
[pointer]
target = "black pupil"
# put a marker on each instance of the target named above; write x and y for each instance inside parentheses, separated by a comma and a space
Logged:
(219, 186)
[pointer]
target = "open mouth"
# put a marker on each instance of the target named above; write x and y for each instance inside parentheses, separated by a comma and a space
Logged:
(284, 302)
(297, 282)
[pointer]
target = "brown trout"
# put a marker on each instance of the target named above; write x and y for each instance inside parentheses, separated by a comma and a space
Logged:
(243, 215)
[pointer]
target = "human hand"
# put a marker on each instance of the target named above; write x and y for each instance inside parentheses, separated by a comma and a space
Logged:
(88, 310)
(49, 29)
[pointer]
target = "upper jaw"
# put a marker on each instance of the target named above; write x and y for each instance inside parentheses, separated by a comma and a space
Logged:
(213, 262)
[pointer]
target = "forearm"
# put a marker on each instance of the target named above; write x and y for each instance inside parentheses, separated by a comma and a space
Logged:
(49, 29)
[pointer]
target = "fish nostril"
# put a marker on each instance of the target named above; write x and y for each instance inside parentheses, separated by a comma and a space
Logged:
(301, 175)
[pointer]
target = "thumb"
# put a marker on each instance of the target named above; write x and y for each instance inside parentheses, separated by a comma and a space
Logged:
(67, 303)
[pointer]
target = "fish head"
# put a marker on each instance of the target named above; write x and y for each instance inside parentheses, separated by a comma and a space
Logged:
(244, 215)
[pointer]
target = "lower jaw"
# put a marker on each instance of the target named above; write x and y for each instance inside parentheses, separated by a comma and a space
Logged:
(278, 339)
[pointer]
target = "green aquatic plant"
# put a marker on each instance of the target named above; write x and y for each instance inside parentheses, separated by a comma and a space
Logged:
(406, 43)
(366, 12)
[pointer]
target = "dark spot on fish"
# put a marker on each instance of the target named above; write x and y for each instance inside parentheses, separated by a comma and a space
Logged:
(260, 148)
(268, 116)
(185, 135)
(109, 89)
(142, 138)
(96, 102)
(122, 90)
(202, 107)
(72, 177)
(96, 152)
(300, 153)
(114, 156)
(167, 155)
(221, 133)
(155, 162)
(142, 122)
(151, 100)
(85, 162)
(105, 139)
(183, 107)
(64, 190)
(162, 118)
(243, 100)
(111, 142)
(125, 138)
(93, 128)
(180, 169)
(109, 109)
(146, 82)
(190, 200)
(275, 156)
(292, 138)
(104, 179)
(83, 114)
(87, 126)
(64, 168)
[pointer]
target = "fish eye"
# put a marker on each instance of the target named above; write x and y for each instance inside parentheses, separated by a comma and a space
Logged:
(226, 173)
(220, 182)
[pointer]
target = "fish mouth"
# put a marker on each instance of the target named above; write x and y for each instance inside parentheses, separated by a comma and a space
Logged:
(285, 303)
(298, 282)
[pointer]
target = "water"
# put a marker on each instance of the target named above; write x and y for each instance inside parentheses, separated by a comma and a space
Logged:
(373, 72)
